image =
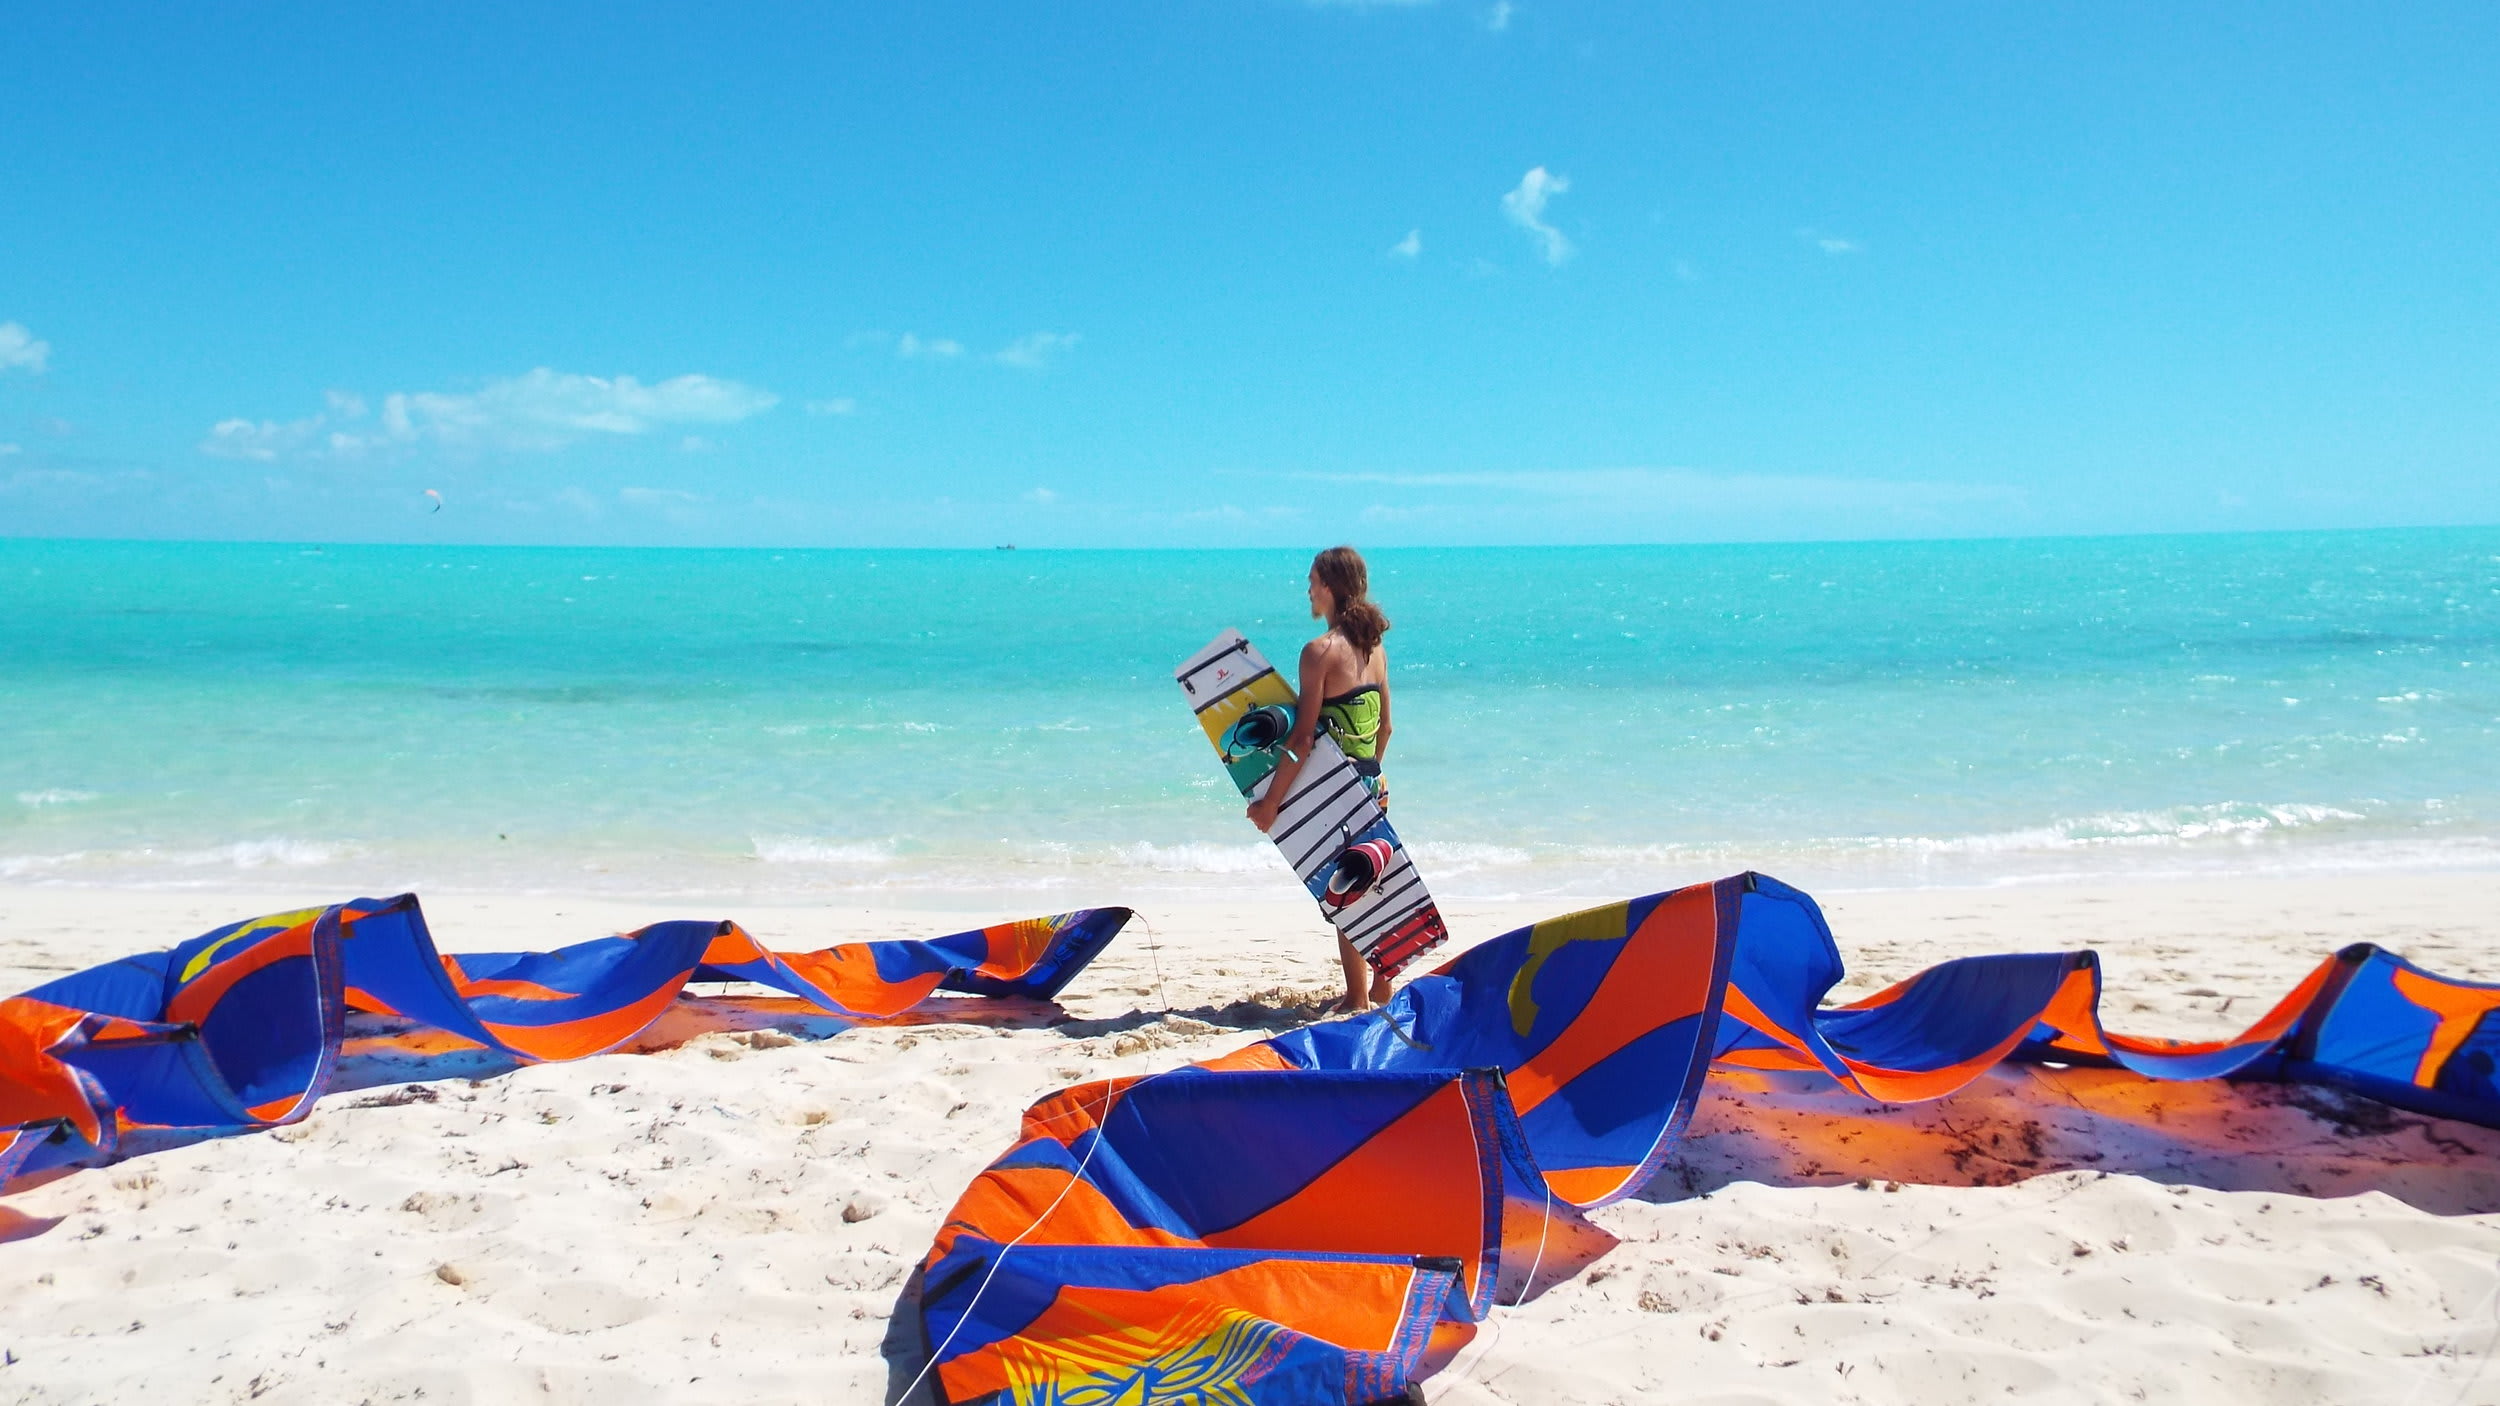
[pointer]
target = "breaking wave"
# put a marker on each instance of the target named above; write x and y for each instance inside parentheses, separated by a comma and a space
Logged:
(242, 854)
(53, 797)
(795, 849)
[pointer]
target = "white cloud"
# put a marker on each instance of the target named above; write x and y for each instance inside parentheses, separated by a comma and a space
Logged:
(1041, 495)
(1525, 207)
(1030, 352)
(835, 405)
(540, 411)
(1230, 512)
(1632, 489)
(695, 444)
(547, 409)
(1409, 247)
(21, 350)
(1497, 19)
(33, 481)
(261, 441)
(8, 449)
(1035, 350)
(918, 348)
(1831, 244)
(659, 497)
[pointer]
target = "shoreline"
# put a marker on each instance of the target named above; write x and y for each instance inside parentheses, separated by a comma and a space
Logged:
(872, 874)
(1955, 919)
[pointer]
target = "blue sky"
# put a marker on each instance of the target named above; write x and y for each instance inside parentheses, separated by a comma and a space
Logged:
(1246, 272)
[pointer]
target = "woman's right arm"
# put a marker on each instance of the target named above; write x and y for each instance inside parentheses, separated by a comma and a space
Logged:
(1305, 729)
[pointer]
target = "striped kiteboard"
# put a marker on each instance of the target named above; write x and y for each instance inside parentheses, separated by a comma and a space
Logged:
(1330, 829)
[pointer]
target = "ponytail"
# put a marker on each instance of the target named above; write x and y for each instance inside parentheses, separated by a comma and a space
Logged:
(1357, 616)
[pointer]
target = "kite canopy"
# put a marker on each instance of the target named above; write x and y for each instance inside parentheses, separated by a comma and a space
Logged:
(241, 1027)
(1323, 1217)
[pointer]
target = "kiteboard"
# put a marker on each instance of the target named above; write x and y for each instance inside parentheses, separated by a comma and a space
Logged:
(1329, 829)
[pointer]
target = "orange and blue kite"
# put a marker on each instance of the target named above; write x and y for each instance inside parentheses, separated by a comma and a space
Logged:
(242, 1027)
(1325, 1216)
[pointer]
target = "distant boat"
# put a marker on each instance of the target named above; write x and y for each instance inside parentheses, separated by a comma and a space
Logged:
(1005, 547)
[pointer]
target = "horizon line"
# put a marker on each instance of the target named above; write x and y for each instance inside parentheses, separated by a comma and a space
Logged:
(324, 544)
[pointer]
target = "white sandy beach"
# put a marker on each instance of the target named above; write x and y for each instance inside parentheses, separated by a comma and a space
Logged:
(732, 1213)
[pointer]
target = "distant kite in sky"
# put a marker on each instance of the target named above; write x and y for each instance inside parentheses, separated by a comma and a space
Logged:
(437, 497)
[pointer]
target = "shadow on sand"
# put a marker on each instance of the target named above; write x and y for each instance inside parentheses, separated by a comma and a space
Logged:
(406, 1060)
(2017, 1122)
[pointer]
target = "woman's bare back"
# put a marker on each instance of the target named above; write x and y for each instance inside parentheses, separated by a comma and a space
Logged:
(1340, 668)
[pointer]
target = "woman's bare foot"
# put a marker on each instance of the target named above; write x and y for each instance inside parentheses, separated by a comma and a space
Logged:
(1380, 990)
(1358, 974)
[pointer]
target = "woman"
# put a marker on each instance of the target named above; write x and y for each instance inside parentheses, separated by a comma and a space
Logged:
(1345, 688)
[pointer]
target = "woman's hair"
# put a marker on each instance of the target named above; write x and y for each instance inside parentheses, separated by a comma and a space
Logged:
(1357, 616)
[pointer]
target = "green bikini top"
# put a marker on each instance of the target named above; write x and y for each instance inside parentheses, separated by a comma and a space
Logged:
(1353, 718)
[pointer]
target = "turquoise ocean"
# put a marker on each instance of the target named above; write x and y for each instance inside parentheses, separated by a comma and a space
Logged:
(917, 727)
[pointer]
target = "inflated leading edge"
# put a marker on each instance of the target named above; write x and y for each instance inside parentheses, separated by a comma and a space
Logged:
(241, 1027)
(1323, 1217)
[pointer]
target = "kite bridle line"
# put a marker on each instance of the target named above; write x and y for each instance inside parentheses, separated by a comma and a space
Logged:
(1110, 1093)
(1154, 952)
(1543, 1226)
(2481, 1359)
